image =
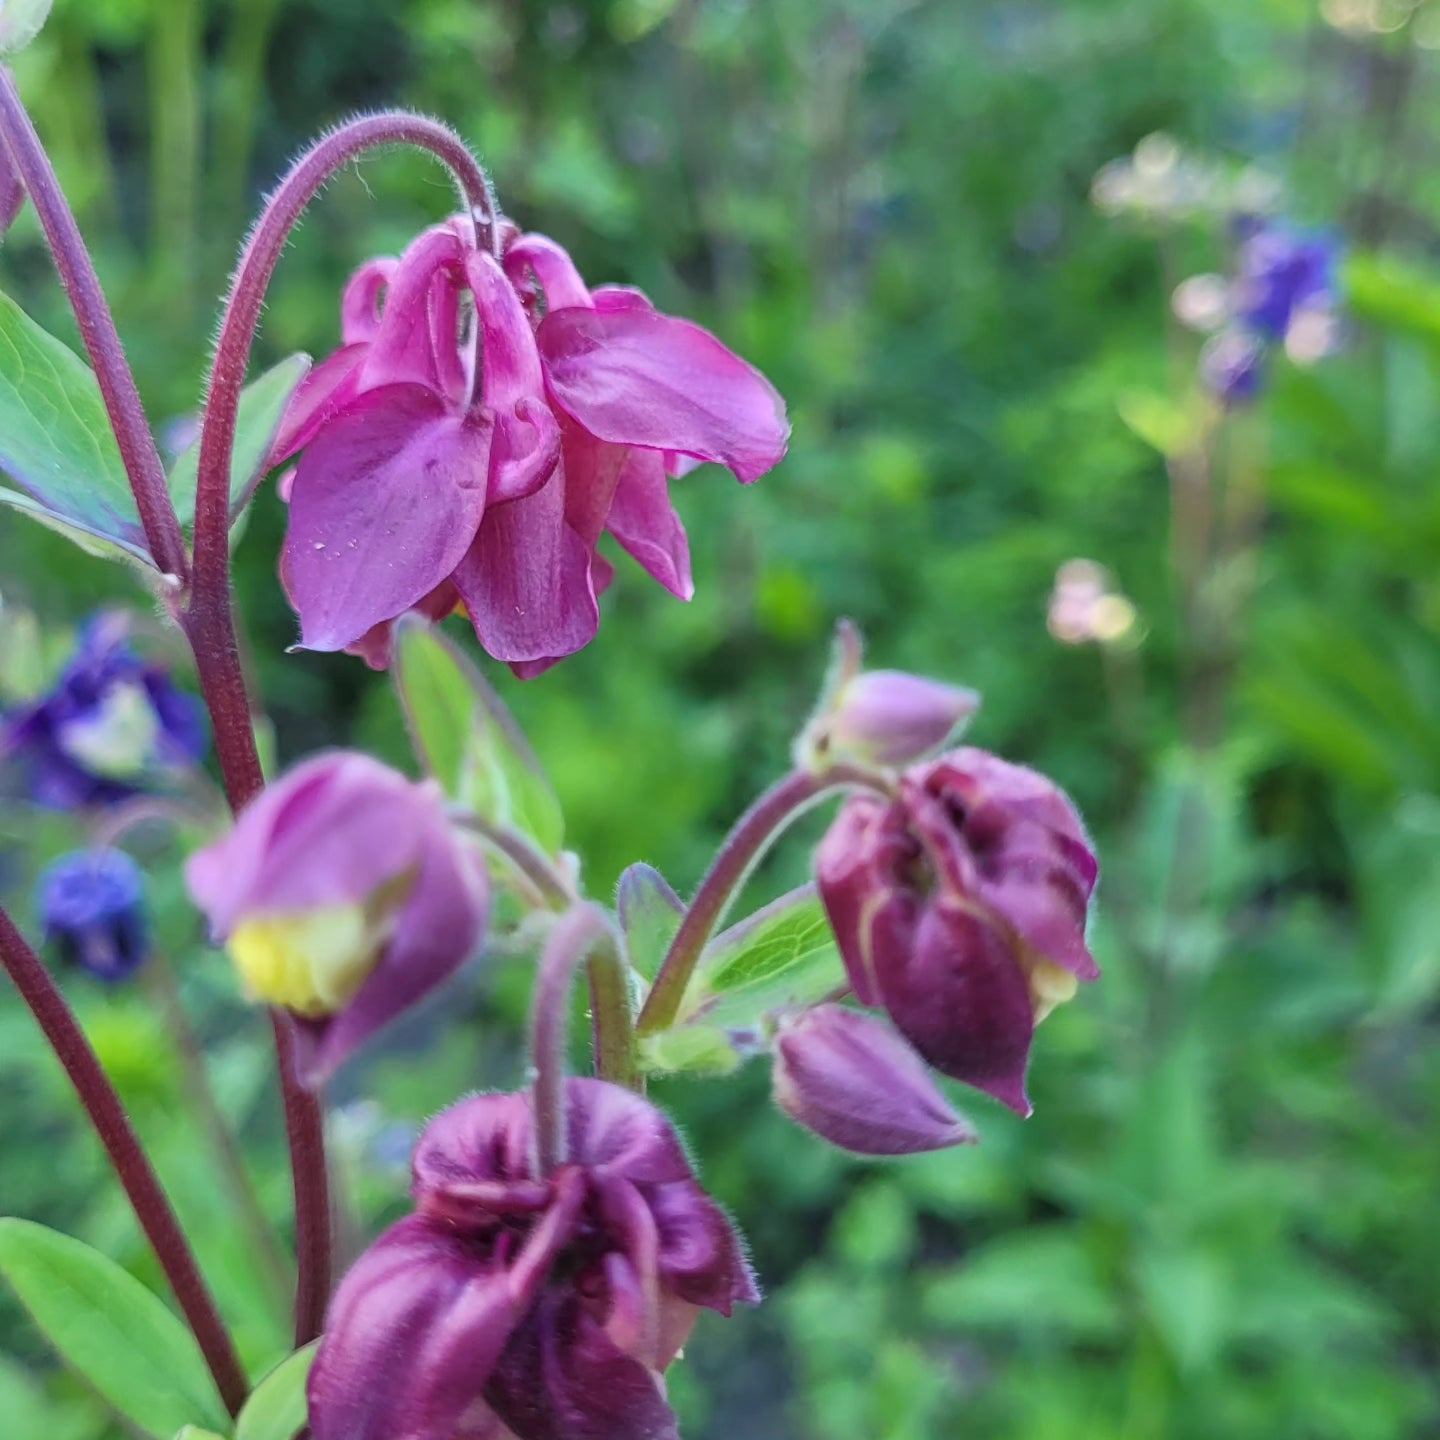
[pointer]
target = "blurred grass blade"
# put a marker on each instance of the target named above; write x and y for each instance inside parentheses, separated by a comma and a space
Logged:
(111, 1329)
(276, 1408)
(262, 405)
(465, 737)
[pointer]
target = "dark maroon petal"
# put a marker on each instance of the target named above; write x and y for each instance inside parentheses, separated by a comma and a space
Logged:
(387, 499)
(633, 377)
(526, 579)
(330, 832)
(644, 521)
(552, 266)
(855, 890)
(613, 1130)
(857, 1084)
(437, 931)
(702, 1259)
(321, 395)
(563, 1378)
(410, 1340)
(485, 1137)
(961, 999)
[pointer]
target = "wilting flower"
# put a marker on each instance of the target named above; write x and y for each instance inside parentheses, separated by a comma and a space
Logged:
(543, 1308)
(960, 908)
(92, 904)
(344, 897)
(448, 461)
(113, 726)
(856, 1083)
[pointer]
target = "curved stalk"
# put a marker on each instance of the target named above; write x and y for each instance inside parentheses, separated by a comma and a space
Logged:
(142, 460)
(754, 833)
(142, 1186)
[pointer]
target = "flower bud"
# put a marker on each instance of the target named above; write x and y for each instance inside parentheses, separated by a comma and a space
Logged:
(856, 1083)
(539, 1308)
(92, 903)
(20, 22)
(960, 908)
(344, 897)
(886, 717)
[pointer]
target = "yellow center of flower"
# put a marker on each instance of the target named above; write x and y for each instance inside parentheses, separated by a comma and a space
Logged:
(311, 963)
(1050, 985)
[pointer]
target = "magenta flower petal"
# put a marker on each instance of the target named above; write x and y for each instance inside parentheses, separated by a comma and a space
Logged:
(634, 377)
(527, 438)
(644, 521)
(701, 1258)
(437, 931)
(854, 1082)
(386, 501)
(552, 266)
(416, 339)
(526, 580)
(308, 841)
(360, 304)
(320, 396)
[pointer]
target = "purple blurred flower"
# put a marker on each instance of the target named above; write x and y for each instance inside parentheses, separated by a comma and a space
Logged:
(544, 1309)
(1282, 271)
(1232, 365)
(92, 904)
(960, 908)
(449, 463)
(343, 896)
(856, 1083)
(113, 726)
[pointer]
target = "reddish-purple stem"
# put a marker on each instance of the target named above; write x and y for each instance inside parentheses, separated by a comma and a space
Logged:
(136, 1175)
(209, 621)
(97, 330)
(746, 843)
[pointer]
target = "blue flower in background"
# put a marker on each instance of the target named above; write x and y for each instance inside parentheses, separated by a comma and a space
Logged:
(92, 903)
(1282, 272)
(113, 726)
(1232, 365)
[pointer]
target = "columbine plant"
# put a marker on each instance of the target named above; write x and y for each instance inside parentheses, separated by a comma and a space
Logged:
(486, 419)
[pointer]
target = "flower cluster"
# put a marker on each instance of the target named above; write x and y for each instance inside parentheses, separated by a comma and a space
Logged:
(543, 1307)
(484, 423)
(1283, 291)
(113, 725)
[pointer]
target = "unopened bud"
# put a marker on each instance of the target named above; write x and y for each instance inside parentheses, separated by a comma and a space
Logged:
(854, 1082)
(886, 717)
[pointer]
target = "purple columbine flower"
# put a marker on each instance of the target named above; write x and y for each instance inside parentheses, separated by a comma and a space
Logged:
(1281, 272)
(511, 1305)
(853, 1081)
(887, 717)
(1232, 365)
(113, 726)
(960, 908)
(345, 897)
(92, 904)
(453, 461)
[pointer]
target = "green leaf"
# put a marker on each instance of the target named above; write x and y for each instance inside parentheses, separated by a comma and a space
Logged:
(689, 1049)
(1162, 424)
(194, 1432)
(782, 956)
(276, 1408)
(650, 914)
(466, 739)
(56, 445)
(111, 1329)
(262, 404)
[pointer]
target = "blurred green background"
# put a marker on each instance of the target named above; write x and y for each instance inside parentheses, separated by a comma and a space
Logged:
(1222, 1219)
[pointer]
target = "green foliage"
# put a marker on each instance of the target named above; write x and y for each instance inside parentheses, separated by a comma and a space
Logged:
(276, 1408)
(115, 1333)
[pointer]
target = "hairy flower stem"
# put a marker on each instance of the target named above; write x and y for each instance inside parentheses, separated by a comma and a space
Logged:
(754, 833)
(582, 933)
(142, 460)
(137, 1176)
(612, 1024)
(209, 621)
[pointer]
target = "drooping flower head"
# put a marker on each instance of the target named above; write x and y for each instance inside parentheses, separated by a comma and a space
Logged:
(92, 904)
(539, 1308)
(482, 426)
(114, 725)
(344, 897)
(960, 908)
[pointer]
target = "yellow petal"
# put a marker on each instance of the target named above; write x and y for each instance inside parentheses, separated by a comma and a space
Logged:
(311, 963)
(1049, 986)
